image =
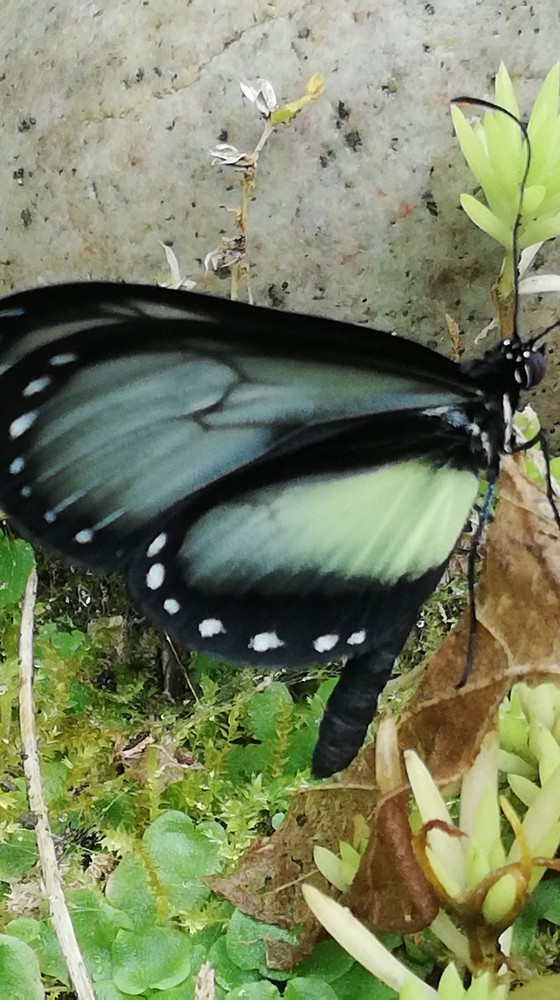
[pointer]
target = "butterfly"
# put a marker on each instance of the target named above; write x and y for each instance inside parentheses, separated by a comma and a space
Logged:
(278, 490)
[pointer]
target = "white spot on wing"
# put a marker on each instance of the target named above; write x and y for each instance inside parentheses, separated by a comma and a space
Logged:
(156, 546)
(22, 424)
(264, 641)
(357, 638)
(17, 466)
(210, 627)
(62, 359)
(25, 491)
(171, 606)
(325, 642)
(50, 516)
(37, 385)
(84, 536)
(155, 576)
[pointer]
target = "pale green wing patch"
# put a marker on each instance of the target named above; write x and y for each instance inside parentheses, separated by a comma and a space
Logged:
(395, 521)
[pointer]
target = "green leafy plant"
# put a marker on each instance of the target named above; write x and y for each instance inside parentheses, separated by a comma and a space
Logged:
(498, 156)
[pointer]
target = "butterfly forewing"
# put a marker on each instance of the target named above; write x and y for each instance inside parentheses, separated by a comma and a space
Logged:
(130, 402)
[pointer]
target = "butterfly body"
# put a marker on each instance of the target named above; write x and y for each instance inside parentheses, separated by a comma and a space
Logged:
(278, 490)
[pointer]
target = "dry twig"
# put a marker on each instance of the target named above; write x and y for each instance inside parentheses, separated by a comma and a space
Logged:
(31, 764)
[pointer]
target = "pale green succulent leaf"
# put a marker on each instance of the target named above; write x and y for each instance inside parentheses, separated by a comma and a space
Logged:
(513, 730)
(483, 988)
(540, 230)
(512, 763)
(550, 206)
(330, 867)
(360, 943)
(477, 866)
(500, 900)
(539, 703)
(546, 847)
(454, 940)
(442, 846)
(497, 855)
(533, 197)
(450, 985)
(545, 159)
(477, 816)
(473, 147)
(487, 221)
(505, 152)
(505, 94)
(550, 756)
(452, 880)
(412, 991)
(541, 815)
(486, 826)
(545, 108)
(525, 790)
(349, 862)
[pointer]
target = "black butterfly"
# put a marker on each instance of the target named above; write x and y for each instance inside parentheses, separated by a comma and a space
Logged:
(278, 490)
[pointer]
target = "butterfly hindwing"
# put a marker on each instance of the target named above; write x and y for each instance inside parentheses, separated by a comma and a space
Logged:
(119, 403)
(306, 570)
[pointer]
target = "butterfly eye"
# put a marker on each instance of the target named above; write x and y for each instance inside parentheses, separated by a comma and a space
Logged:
(534, 369)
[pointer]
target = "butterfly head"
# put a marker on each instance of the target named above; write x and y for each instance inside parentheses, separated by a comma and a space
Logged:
(527, 361)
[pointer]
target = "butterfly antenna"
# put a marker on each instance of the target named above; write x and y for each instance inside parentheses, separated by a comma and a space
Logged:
(490, 106)
(541, 439)
(540, 336)
(548, 476)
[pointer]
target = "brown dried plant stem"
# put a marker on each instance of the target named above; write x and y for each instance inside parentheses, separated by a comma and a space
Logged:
(32, 767)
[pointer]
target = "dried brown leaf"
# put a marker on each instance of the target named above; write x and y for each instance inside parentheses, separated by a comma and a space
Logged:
(390, 891)
(266, 885)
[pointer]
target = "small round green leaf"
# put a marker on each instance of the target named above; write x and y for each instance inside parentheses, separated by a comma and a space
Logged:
(181, 853)
(255, 991)
(158, 958)
(18, 855)
(327, 961)
(40, 936)
(96, 925)
(128, 890)
(16, 563)
(20, 976)
(309, 989)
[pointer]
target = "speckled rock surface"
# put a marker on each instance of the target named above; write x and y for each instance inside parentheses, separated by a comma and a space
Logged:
(108, 110)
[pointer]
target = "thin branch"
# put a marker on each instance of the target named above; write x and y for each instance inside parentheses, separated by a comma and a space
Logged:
(205, 986)
(32, 767)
